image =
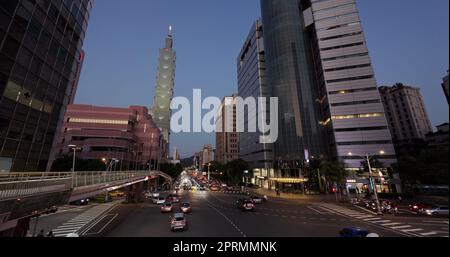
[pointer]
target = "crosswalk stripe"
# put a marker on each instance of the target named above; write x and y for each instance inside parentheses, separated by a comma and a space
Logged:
(392, 224)
(381, 221)
(363, 216)
(372, 219)
(412, 230)
(401, 227)
(429, 233)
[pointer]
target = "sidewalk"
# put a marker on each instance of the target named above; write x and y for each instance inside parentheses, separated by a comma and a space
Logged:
(272, 194)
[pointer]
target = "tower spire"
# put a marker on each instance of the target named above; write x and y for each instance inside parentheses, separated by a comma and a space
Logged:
(169, 39)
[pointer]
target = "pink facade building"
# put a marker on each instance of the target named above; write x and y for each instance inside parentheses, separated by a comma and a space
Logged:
(104, 133)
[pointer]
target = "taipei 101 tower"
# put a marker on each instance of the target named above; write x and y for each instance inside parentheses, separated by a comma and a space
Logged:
(160, 111)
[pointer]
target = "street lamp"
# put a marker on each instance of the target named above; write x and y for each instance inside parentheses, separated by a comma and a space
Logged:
(367, 158)
(209, 174)
(74, 148)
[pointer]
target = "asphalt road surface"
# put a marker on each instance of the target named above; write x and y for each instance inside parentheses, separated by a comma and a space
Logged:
(215, 215)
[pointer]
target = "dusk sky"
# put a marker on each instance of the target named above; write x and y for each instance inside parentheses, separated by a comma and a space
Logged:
(408, 42)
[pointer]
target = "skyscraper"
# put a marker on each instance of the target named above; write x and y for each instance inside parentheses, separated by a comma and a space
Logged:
(227, 141)
(164, 87)
(251, 70)
(318, 65)
(40, 45)
(290, 76)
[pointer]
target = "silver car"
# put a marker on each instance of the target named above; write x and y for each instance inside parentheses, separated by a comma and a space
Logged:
(178, 222)
(436, 210)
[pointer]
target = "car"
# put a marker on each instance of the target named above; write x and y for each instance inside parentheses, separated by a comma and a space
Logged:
(167, 207)
(186, 208)
(257, 200)
(202, 188)
(178, 222)
(159, 200)
(50, 210)
(116, 194)
(436, 210)
(214, 188)
(173, 198)
(245, 204)
(417, 207)
(354, 232)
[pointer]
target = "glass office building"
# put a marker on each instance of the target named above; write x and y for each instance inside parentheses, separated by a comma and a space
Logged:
(40, 46)
(290, 76)
(251, 69)
(319, 66)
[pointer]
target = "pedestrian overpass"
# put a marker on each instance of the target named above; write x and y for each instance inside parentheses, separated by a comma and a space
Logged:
(24, 194)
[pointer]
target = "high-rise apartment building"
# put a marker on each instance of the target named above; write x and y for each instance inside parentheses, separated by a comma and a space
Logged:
(406, 113)
(40, 46)
(317, 63)
(227, 140)
(164, 87)
(205, 156)
(251, 70)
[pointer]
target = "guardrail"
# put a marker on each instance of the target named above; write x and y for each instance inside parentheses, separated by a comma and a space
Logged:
(16, 185)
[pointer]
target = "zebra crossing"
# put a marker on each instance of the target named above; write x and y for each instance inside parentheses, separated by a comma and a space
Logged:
(80, 221)
(402, 227)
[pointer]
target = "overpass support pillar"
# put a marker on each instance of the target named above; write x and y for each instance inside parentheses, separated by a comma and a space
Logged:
(135, 193)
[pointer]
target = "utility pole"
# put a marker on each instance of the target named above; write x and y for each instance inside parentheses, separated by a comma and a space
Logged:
(377, 200)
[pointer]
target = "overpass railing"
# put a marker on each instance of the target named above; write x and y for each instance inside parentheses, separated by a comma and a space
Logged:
(16, 185)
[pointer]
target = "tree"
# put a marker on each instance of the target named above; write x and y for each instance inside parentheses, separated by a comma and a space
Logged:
(335, 172)
(234, 171)
(430, 167)
(375, 163)
(173, 170)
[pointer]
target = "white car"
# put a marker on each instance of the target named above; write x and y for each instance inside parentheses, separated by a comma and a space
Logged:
(179, 221)
(158, 200)
(436, 210)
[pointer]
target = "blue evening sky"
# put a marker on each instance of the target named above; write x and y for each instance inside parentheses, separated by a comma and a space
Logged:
(408, 42)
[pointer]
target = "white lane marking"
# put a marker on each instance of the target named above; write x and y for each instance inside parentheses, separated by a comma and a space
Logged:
(229, 220)
(402, 227)
(317, 211)
(429, 233)
(69, 226)
(109, 222)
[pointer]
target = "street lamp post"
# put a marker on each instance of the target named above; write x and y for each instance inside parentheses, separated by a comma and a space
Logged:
(74, 149)
(367, 158)
(209, 173)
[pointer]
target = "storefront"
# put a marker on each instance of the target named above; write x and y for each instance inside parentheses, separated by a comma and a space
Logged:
(293, 185)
